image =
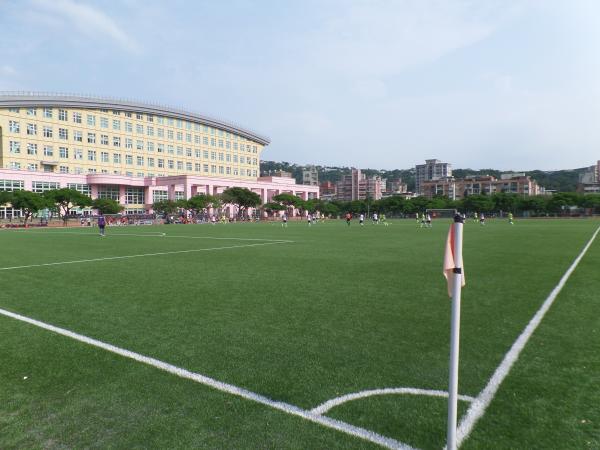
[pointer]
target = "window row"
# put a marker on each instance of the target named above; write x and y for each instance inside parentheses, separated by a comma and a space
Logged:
(104, 122)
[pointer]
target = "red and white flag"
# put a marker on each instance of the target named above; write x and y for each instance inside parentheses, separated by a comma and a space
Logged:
(450, 262)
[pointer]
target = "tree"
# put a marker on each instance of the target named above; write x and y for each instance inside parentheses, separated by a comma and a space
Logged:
(272, 207)
(164, 207)
(241, 197)
(198, 203)
(107, 206)
(65, 200)
(287, 199)
(5, 197)
(28, 202)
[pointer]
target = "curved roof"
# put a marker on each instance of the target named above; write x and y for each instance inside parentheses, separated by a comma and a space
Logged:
(40, 99)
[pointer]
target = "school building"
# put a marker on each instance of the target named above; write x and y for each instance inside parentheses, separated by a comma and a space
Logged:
(133, 152)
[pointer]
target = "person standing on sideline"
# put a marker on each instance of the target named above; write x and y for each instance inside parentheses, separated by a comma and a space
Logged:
(348, 218)
(101, 224)
(510, 218)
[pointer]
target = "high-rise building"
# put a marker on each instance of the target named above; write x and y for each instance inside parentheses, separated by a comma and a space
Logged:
(310, 176)
(457, 188)
(357, 186)
(433, 169)
(589, 181)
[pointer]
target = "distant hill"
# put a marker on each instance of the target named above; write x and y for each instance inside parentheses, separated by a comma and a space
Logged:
(558, 180)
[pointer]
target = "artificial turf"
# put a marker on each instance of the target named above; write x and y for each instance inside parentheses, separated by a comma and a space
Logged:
(337, 310)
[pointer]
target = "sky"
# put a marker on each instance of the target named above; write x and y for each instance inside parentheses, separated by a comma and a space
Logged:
(504, 84)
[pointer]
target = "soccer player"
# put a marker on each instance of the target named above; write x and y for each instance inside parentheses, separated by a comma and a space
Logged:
(348, 218)
(375, 219)
(428, 220)
(383, 220)
(362, 220)
(309, 219)
(284, 220)
(475, 218)
(422, 220)
(101, 224)
(510, 218)
(481, 219)
(417, 218)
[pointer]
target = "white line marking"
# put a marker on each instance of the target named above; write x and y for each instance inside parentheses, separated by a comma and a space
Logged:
(108, 258)
(485, 397)
(154, 234)
(329, 404)
(219, 385)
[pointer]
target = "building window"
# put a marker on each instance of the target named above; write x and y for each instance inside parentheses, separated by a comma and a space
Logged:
(13, 126)
(205, 154)
(213, 156)
(117, 158)
(179, 136)
(150, 130)
(63, 133)
(139, 116)
(205, 168)
(213, 169)
(47, 132)
(128, 127)
(197, 167)
(129, 159)
(77, 136)
(84, 189)
(160, 195)
(104, 139)
(220, 143)
(188, 137)
(221, 170)
(31, 111)
(47, 112)
(204, 140)
(170, 164)
(91, 155)
(48, 150)
(128, 143)
(63, 152)
(108, 191)
(213, 142)
(103, 122)
(139, 145)
(116, 125)
(116, 141)
(91, 120)
(179, 151)
(160, 132)
(160, 148)
(62, 115)
(77, 117)
(150, 162)
(228, 170)
(104, 157)
(134, 196)
(170, 134)
(15, 165)
(140, 160)
(31, 149)
(32, 167)
(150, 146)
(139, 128)
(179, 165)
(40, 187)
(31, 129)
(63, 169)
(91, 138)
(78, 154)
(161, 163)
(221, 157)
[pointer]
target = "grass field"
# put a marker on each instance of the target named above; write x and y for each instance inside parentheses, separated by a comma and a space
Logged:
(300, 316)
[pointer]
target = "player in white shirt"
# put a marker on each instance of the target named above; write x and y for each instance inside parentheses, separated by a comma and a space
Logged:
(428, 220)
(375, 219)
(362, 220)
(284, 220)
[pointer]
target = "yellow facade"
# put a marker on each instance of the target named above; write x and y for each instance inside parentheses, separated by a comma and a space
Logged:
(80, 140)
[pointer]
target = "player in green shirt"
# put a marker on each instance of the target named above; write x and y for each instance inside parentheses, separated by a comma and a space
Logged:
(510, 218)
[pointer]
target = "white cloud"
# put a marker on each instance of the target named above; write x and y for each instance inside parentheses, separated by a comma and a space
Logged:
(87, 20)
(7, 71)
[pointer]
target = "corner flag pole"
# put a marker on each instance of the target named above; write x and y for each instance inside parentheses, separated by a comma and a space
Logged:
(457, 282)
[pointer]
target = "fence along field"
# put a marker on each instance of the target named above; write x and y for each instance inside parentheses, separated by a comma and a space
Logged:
(323, 338)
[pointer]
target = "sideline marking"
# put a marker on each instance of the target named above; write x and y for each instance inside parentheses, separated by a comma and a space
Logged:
(485, 397)
(329, 404)
(219, 385)
(151, 234)
(108, 258)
